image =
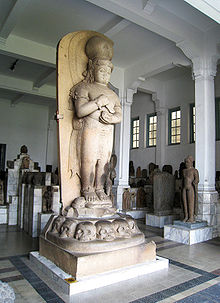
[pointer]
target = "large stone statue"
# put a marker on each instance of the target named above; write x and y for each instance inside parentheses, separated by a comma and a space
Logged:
(190, 190)
(87, 112)
(98, 109)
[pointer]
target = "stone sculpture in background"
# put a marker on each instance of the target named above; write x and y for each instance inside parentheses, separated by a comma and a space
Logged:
(131, 169)
(190, 190)
(126, 199)
(138, 172)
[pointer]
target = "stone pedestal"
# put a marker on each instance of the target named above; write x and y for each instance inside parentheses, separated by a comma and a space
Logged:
(42, 221)
(188, 233)
(3, 214)
(207, 209)
(137, 213)
(48, 179)
(13, 211)
(56, 199)
(35, 207)
(58, 276)
(21, 206)
(80, 265)
(27, 189)
(159, 221)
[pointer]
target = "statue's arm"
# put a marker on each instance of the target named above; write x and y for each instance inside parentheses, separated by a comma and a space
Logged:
(196, 177)
(85, 106)
(114, 118)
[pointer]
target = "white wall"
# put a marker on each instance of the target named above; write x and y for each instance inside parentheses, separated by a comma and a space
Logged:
(141, 106)
(177, 92)
(26, 123)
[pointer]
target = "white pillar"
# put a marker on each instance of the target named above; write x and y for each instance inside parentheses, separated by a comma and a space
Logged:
(122, 146)
(161, 131)
(204, 70)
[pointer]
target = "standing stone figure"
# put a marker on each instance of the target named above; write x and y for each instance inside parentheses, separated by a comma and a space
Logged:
(190, 190)
(97, 109)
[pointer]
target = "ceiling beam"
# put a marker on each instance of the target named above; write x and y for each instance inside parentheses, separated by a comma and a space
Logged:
(44, 77)
(160, 21)
(28, 50)
(25, 87)
(12, 17)
(210, 8)
(117, 28)
(152, 65)
(16, 99)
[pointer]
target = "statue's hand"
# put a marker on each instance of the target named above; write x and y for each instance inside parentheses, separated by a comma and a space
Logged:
(105, 117)
(101, 101)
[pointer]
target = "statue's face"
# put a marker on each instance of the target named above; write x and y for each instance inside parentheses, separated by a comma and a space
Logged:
(188, 163)
(102, 74)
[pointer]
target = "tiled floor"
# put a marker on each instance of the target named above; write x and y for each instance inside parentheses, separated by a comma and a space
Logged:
(193, 274)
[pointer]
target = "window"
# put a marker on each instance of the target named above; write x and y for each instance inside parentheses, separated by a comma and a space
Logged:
(217, 118)
(174, 125)
(135, 133)
(151, 130)
(192, 123)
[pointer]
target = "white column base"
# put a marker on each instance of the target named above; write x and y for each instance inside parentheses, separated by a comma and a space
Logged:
(207, 209)
(3, 214)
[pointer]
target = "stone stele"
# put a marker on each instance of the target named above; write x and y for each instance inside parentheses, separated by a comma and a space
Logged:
(89, 237)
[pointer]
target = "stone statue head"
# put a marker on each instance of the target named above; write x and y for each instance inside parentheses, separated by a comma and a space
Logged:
(68, 229)
(25, 162)
(105, 230)
(85, 231)
(23, 149)
(132, 225)
(188, 161)
(121, 228)
(99, 50)
(57, 223)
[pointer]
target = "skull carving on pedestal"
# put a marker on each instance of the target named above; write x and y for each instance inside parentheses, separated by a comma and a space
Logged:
(121, 228)
(57, 223)
(85, 231)
(105, 231)
(68, 229)
(132, 225)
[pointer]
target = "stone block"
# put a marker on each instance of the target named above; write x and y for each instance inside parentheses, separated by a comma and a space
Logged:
(137, 214)
(3, 215)
(163, 193)
(89, 264)
(58, 276)
(159, 221)
(186, 235)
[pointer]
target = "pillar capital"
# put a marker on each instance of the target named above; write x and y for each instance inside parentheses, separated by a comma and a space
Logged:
(204, 67)
(128, 99)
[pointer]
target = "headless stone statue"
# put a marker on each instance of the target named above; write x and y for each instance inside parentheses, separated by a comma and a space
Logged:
(190, 190)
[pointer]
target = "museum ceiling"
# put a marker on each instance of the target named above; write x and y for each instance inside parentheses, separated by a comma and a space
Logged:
(141, 31)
